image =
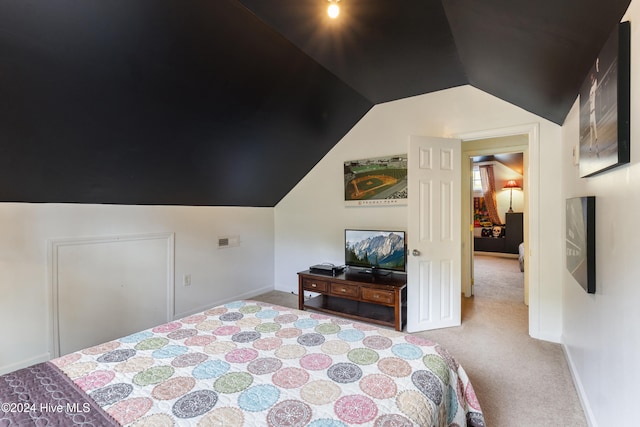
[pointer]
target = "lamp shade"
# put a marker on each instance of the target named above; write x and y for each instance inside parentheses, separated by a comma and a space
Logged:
(512, 184)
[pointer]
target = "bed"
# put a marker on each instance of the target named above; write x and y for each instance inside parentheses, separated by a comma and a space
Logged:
(247, 363)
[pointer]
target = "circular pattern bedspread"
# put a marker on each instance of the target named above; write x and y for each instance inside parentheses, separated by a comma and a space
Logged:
(252, 363)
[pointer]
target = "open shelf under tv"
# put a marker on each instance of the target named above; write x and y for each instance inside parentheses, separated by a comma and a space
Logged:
(372, 298)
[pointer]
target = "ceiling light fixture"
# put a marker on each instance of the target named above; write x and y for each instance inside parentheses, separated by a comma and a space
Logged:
(334, 9)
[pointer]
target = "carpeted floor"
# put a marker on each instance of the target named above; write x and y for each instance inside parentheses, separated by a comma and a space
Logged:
(519, 381)
(498, 278)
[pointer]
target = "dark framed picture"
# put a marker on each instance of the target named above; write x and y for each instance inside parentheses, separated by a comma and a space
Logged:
(605, 106)
(581, 241)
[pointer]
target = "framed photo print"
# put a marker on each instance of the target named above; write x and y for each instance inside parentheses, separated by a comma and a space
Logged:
(581, 241)
(378, 181)
(605, 106)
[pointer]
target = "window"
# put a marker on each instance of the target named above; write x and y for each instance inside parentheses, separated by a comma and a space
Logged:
(477, 182)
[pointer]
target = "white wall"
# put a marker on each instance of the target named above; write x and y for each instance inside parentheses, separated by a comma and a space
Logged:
(601, 335)
(218, 275)
(310, 220)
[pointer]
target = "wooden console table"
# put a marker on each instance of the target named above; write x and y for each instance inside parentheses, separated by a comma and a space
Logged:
(359, 296)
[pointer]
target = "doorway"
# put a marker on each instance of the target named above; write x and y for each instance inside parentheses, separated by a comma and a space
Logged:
(524, 139)
(497, 203)
(503, 154)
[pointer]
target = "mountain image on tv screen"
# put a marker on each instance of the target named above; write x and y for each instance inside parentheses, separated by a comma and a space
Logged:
(379, 249)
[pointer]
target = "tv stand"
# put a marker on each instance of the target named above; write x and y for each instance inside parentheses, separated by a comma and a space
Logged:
(367, 297)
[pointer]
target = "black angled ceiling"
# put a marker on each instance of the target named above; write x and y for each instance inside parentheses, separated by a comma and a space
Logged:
(232, 102)
(159, 102)
(386, 50)
(533, 54)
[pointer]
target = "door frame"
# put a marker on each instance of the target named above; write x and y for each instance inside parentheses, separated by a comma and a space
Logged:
(531, 226)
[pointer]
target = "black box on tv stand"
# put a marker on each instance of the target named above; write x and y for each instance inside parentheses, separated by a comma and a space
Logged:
(330, 269)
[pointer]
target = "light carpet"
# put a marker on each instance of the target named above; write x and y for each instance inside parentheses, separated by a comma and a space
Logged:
(498, 278)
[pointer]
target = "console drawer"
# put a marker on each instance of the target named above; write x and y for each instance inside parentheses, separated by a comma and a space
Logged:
(378, 295)
(341, 289)
(314, 285)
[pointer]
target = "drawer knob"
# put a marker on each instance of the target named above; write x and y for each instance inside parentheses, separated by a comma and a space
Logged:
(344, 290)
(376, 296)
(313, 285)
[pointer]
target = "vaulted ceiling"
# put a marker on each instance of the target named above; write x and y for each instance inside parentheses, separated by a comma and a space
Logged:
(232, 102)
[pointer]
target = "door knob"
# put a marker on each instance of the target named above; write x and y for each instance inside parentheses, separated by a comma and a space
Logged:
(415, 252)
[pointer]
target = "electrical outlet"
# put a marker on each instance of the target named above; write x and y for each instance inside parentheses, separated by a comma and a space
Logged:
(186, 279)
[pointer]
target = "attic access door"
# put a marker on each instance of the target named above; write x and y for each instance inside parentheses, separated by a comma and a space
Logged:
(434, 268)
(104, 288)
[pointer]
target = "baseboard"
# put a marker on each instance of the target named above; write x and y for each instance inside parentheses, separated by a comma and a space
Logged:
(584, 402)
(287, 289)
(545, 336)
(24, 363)
(496, 254)
(246, 295)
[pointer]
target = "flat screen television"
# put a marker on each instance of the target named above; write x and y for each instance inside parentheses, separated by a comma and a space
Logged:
(375, 251)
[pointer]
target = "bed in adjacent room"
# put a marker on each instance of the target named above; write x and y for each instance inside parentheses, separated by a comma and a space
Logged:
(247, 363)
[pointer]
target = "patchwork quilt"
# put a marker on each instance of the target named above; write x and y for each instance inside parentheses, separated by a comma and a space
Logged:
(248, 363)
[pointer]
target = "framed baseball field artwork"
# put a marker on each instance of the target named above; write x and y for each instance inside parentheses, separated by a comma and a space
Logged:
(379, 181)
(605, 106)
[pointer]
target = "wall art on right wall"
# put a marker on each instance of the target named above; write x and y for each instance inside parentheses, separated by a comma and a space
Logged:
(605, 106)
(581, 241)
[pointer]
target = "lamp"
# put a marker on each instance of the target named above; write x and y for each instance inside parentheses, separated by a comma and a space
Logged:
(334, 9)
(510, 185)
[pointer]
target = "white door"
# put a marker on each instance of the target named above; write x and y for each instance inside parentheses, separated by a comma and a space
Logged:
(434, 269)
